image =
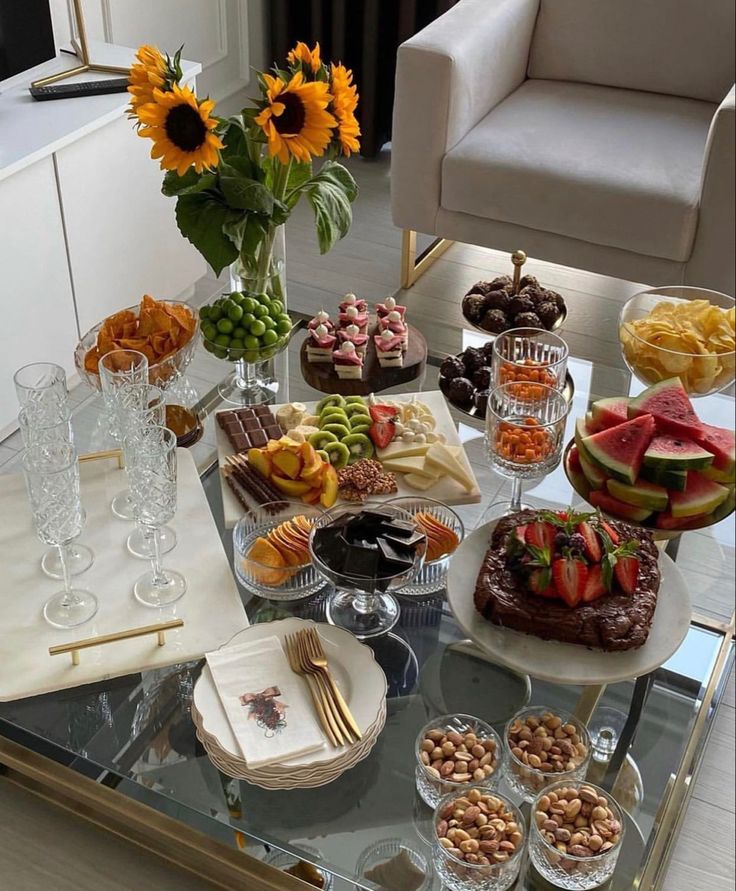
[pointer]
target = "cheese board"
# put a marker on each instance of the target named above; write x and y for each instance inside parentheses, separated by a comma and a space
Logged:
(446, 488)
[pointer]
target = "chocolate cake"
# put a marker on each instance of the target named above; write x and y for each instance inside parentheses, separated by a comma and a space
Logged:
(614, 622)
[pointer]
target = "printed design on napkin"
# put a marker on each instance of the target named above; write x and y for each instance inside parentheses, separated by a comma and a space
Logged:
(268, 713)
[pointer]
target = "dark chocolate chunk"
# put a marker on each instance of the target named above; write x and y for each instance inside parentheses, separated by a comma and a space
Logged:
(251, 424)
(258, 438)
(241, 441)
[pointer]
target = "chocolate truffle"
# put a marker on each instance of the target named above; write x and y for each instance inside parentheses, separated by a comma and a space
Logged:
(500, 283)
(487, 350)
(498, 300)
(452, 367)
(481, 400)
(473, 358)
(527, 320)
(473, 307)
(548, 314)
(461, 391)
(522, 303)
(482, 377)
(526, 280)
(494, 321)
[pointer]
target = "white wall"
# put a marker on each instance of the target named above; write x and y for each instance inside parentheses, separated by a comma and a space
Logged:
(217, 33)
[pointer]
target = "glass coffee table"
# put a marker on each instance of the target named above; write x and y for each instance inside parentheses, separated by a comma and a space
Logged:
(124, 752)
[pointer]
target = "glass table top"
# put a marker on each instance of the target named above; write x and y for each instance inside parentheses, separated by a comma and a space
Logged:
(136, 732)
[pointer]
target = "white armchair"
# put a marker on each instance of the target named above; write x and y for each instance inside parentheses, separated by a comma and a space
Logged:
(594, 133)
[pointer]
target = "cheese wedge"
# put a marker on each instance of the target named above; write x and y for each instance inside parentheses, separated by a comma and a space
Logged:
(412, 464)
(441, 457)
(402, 450)
(421, 483)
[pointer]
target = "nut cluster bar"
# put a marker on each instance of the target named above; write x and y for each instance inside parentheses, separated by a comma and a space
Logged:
(249, 427)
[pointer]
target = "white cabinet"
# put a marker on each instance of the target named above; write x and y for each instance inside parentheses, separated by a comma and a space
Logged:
(37, 322)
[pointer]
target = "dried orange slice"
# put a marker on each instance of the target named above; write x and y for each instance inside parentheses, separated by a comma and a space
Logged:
(263, 554)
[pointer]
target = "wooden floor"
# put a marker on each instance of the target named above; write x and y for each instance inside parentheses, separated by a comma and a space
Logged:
(34, 841)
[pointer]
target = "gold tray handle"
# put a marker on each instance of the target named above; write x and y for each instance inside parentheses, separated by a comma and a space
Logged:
(98, 456)
(75, 646)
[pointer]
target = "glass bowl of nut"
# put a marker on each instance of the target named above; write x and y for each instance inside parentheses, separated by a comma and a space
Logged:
(576, 835)
(479, 840)
(544, 746)
(454, 752)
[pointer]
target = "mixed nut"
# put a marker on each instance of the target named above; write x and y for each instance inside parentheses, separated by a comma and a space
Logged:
(458, 757)
(577, 821)
(545, 743)
(479, 829)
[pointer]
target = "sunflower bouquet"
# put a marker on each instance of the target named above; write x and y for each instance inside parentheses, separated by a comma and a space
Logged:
(236, 180)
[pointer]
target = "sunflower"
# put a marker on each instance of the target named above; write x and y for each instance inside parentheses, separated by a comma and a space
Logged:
(149, 72)
(295, 118)
(181, 130)
(344, 103)
(310, 59)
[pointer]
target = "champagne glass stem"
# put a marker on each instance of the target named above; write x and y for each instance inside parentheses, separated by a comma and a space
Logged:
(65, 574)
(245, 374)
(516, 494)
(159, 579)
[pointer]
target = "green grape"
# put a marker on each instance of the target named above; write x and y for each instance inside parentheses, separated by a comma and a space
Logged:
(222, 340)
(237, 297)
(215, 313)
(283, 326)
(257, 328)
(220, 353)
(260, 311)
(209, 331)
(239, 332)
(251, 342)
(277, 307)
(235, 313)
(249, 304)
(204, 312)
(269, 323)
(263, 299)
(225, 326)
(270, 337)
(247, 320)
(252, 356)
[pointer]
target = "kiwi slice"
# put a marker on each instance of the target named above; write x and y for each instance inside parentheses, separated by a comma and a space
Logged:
(323, 454)
(334, 416)
(340, 430)
(338, 454)
(356, 420)
(360, 428)
(354, 400)
(355, 408)
(360, 447)
(334, 399)
(321, 439)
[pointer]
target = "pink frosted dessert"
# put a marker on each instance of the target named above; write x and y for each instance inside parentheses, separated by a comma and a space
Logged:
(322, 318)
(348, 364)
(358, 340)
(389, 349)
(353, 316)
(352, 300)
(390, 305)
(320, 344)
(395, 324)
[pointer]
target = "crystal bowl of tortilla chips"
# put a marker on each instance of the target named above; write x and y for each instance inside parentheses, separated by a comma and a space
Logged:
(163, 330)
(680, 332)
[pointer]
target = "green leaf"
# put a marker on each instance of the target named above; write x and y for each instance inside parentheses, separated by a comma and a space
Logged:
(175, 185)
(330, 193)
(241, 190)
(202, 219)
(300, 173)
(246, 233)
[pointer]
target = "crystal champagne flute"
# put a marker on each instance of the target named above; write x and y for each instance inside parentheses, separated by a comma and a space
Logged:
(41, 389)
(151, 467)
(52, 480)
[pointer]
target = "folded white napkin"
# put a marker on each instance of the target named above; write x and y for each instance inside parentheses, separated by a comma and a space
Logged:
(269, 707)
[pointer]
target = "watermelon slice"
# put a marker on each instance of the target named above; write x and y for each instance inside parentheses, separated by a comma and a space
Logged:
(581, 431)
(641, 494)
(720, 476)
(670, 479)
(620, 450)
(721, 443)
(701, 496)
(669, 405)
(575, 473)
(675, 453)
(665, 520)
(610, 412)
(594, 475)
(615, 508)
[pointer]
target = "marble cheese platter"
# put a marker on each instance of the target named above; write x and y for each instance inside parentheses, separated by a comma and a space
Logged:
(445, 489)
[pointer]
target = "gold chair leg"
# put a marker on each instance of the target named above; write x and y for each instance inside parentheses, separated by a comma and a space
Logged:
(412, 267)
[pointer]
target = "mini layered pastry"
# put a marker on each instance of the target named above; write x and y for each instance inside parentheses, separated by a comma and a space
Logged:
(353, 334)
(352, 300)
(389, 349)
(352, 315)
(322, 318)
(348, 364)
(394, 323)
(390, 305)
(320, 344)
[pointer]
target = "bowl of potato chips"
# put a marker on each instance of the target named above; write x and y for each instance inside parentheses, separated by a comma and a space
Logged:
(163, 330)
(682, 332)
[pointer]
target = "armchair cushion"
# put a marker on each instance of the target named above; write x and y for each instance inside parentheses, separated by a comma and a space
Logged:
(678, 47)
(613, 167)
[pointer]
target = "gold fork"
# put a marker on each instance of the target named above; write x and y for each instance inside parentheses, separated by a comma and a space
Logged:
(292, 654)
(331, 709)
(318, 658)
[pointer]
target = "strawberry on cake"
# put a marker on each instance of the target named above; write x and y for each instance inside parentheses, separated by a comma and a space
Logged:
(572, 577)
(348, 364)
(322, 318)
(394, 323)
(352, 300)
(320, 344)
(389, 349)
(358, 340)
(354, 316)
(390, 305)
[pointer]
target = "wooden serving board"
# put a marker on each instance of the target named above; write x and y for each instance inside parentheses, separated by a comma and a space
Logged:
(322, 375)
(445, 489)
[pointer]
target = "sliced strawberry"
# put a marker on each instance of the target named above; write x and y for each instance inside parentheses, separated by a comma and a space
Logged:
(626, 571)
(520, 533)
(541, 535)
(382, 412)
(537, 580)
(593, 550)
(573, 459)
(570, 577)
(382, 433)
(612, 534)
(594, 586)
(563, 515)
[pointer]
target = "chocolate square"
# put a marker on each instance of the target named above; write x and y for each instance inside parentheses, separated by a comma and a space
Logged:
(258, 438)
(233, 427)
(245, 413)
(250, 424)
(262, 410)
(273, 431)
(240, 441)
(224, 417)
